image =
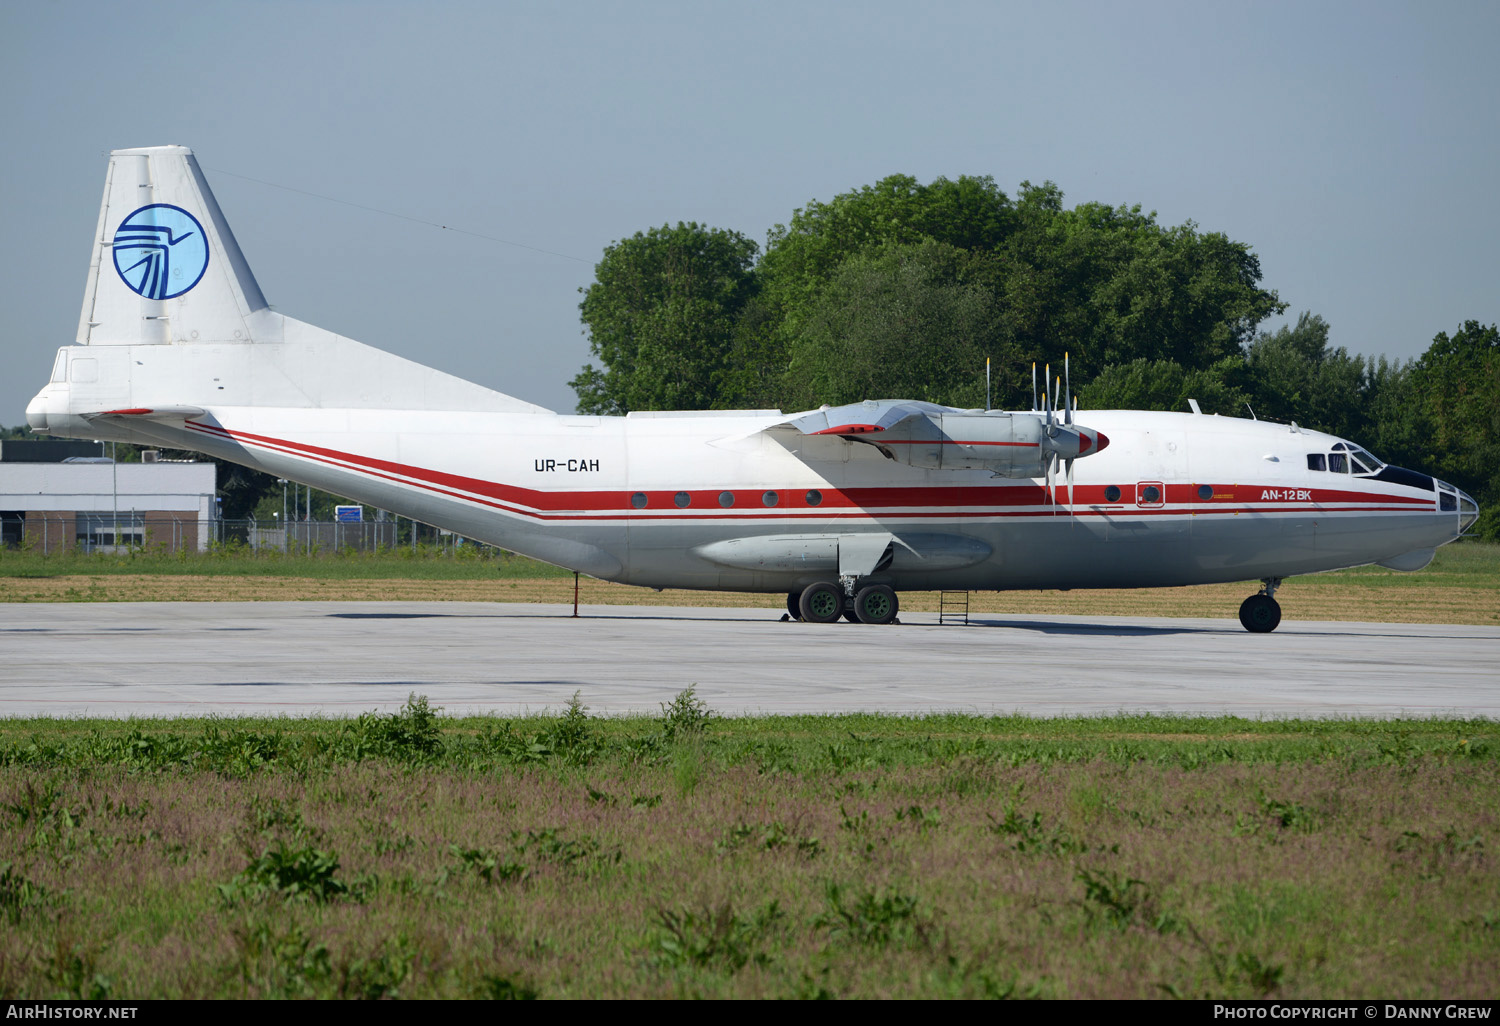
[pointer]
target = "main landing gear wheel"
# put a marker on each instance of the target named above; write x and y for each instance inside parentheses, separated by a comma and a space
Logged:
(821, 602)
(875, 603)
(794, 604)
(1260, 614)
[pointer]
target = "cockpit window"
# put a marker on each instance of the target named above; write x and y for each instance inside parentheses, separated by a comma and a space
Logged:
(1345, 459)
(1364, 463)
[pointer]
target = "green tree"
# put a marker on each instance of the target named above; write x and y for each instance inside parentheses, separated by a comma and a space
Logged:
(1144, 384)
(662, 316)
(1110, 285)
(903, 321)
(1456, 392)
(803, 257)
(1296, 375)
(678, 317)
(1107, 284)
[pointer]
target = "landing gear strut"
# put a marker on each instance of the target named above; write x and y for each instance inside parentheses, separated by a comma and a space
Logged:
(1261, 613)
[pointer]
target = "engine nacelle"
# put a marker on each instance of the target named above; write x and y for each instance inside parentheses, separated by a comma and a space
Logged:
(1005, 444)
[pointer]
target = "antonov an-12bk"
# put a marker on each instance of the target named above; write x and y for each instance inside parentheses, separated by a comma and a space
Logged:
(838, 508)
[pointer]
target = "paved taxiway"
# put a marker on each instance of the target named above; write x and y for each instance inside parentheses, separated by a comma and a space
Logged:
(302, 658)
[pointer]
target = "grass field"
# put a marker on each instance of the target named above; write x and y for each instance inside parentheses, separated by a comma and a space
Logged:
(1461, 586)
(412, 855)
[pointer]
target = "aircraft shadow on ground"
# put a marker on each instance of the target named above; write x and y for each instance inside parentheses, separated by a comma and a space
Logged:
(541, 616)
(1093, 629)
(1098, 630)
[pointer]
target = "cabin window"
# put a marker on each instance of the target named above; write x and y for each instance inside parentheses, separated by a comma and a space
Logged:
(1205, 492)
(681, 499)
(1148, 493)
(814, 497)
(726, 499)
(638, 500)
(1317, 461)
(1112, 494)
(770, 498)
(1338, 463)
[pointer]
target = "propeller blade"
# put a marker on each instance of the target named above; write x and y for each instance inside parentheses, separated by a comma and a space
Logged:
(1033, 386)
(1068, 393)
(1070, 486)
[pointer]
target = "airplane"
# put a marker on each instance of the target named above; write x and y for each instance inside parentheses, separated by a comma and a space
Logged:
(840, 508)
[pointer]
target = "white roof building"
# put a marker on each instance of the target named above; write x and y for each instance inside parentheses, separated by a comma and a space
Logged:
(104, 504)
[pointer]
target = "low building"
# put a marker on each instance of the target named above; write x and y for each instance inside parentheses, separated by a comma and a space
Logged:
(92, 503)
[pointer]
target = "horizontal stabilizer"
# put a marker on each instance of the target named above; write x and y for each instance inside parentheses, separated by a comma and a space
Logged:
(150, 413)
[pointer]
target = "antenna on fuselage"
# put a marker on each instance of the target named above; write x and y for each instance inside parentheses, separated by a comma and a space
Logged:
(1251, 409)
(986, 384)
(1033, 386)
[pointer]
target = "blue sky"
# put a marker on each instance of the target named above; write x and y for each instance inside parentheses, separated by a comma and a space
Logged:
(1352, 145)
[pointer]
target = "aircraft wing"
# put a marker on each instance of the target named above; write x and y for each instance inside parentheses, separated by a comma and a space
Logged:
(860, 418)
(937, 437)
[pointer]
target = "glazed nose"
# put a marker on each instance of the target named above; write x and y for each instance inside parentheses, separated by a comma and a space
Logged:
(1468, 512)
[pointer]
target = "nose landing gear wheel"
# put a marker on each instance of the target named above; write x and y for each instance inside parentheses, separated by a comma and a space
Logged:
(1260, 614)
(821, 603)
(875, 603)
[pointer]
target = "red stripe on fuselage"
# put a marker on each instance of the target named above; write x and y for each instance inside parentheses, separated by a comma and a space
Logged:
(981, 501)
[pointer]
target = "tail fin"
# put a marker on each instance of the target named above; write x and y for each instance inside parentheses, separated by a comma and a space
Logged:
(166, 267)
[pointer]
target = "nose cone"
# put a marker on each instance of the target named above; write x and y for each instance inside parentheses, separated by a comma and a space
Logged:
(1468, 512)
(1091, 441)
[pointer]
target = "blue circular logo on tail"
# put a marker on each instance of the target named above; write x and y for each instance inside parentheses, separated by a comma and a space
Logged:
(160, 251)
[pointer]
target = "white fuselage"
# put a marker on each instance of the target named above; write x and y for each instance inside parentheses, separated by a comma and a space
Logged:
(714, 501)
(178, 347)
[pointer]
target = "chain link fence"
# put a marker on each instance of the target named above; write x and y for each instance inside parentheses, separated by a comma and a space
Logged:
(49, 532)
